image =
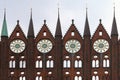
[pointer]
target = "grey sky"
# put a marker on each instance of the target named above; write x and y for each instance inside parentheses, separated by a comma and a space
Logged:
(69, 9)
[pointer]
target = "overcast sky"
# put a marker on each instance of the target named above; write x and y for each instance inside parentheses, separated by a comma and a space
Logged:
(69, 9)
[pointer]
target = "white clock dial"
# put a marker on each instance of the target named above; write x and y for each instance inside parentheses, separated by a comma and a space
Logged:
(101, 45)
(44, 46)
(17, 46)
(72, 46)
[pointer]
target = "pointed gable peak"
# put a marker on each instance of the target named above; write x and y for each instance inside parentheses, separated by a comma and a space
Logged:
(18, 23)
(31, 29)
(44, 32)
(4, 26)
(100, 22)
(73, 25)
(44, 23)
(114, 31)
(100, 26)
(72, 31)
(17, 32)
(100, 31)
(87, 29)
(18, 28)
(45, 28)
(58, 27)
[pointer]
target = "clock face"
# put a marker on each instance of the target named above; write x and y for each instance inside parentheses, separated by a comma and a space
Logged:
(101, 45)
(44, 46)
(72, 46)
(17, 46)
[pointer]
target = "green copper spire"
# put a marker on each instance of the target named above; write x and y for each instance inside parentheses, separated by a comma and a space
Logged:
(4, 26)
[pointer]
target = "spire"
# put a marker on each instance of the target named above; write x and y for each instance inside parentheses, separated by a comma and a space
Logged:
(4, 26)
(86, 29)
(31, 29)
(58, 27)
(114, 26)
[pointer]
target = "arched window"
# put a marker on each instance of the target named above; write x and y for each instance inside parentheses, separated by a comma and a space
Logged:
(22, 64)
(78, 64)
(50, 63)
(38, 64)
(95, 77)
(38, 78)
(106, 62)
(95, 63)
(66, 63)
(77, 78)
(22, 78)
(12, 64)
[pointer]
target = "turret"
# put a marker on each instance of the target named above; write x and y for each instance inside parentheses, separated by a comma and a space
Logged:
(58, 27)
(4, 32)
(87, 29)
(114, 31)
(114, 49)
(87, 48)
(4, 50)
(30, 50)
(31, 29)
(58, 49)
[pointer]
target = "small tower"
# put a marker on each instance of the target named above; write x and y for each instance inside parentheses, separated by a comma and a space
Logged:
(114, 47)
(4, 51)
(114, 31)
(31, 29)
(58, 27)
(58, 49)
(30, 50)
(4, 32)
(87, 52)
(87, 29)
